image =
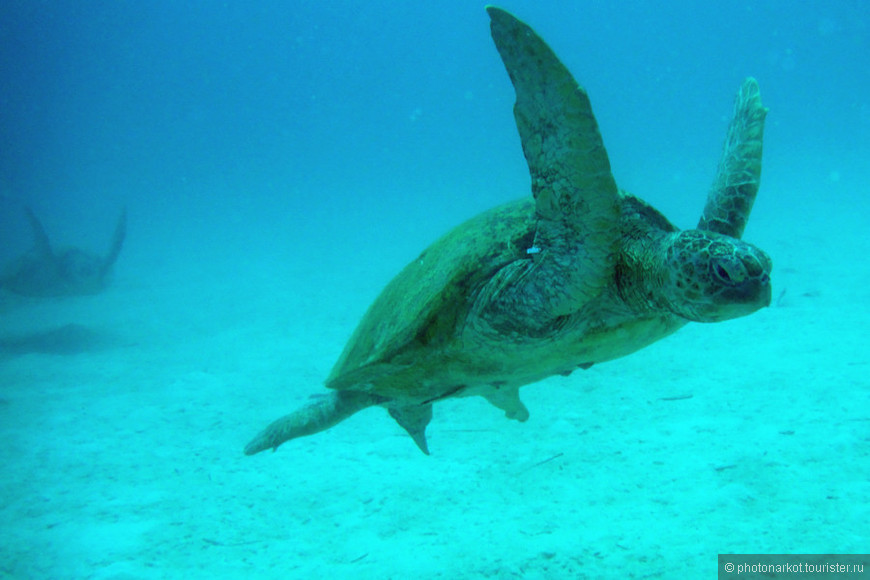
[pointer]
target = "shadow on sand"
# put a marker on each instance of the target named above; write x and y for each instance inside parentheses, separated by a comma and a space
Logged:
(69, 339)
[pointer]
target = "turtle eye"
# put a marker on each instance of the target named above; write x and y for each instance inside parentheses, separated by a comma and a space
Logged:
(729, 272)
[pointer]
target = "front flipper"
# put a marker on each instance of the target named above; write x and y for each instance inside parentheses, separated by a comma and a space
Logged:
(733, 193)
(312, 418)
(576, 198)
(571, 178)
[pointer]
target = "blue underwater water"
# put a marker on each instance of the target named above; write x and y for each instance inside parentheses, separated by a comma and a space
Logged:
(280, 162)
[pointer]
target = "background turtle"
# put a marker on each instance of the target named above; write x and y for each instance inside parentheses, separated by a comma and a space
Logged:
(43, 271)
(581, 274)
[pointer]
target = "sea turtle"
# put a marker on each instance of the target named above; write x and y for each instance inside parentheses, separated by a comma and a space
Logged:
(581, 274)
(43, 271)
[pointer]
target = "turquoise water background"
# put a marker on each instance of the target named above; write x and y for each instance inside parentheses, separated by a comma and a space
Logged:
(301, 116)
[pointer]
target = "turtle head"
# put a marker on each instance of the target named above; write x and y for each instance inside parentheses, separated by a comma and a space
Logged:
(710, 277)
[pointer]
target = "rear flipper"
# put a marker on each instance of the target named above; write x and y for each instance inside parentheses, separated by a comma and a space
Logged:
(507, 398)
(312, 418)
(413, 419)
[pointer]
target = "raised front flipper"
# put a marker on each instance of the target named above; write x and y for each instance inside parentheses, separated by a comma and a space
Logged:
(576, 199)
(733, 193)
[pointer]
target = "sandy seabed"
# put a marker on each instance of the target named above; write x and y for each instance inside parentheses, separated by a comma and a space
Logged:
(123, 418)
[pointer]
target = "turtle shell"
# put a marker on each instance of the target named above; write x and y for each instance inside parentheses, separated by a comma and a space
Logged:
(425, 305)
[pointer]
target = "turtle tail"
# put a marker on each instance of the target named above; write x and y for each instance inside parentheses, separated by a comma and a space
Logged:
(312, 418)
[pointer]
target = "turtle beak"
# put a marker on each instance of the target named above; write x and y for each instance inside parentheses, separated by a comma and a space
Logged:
(754, 292)
(758, 264)
(751, 293)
